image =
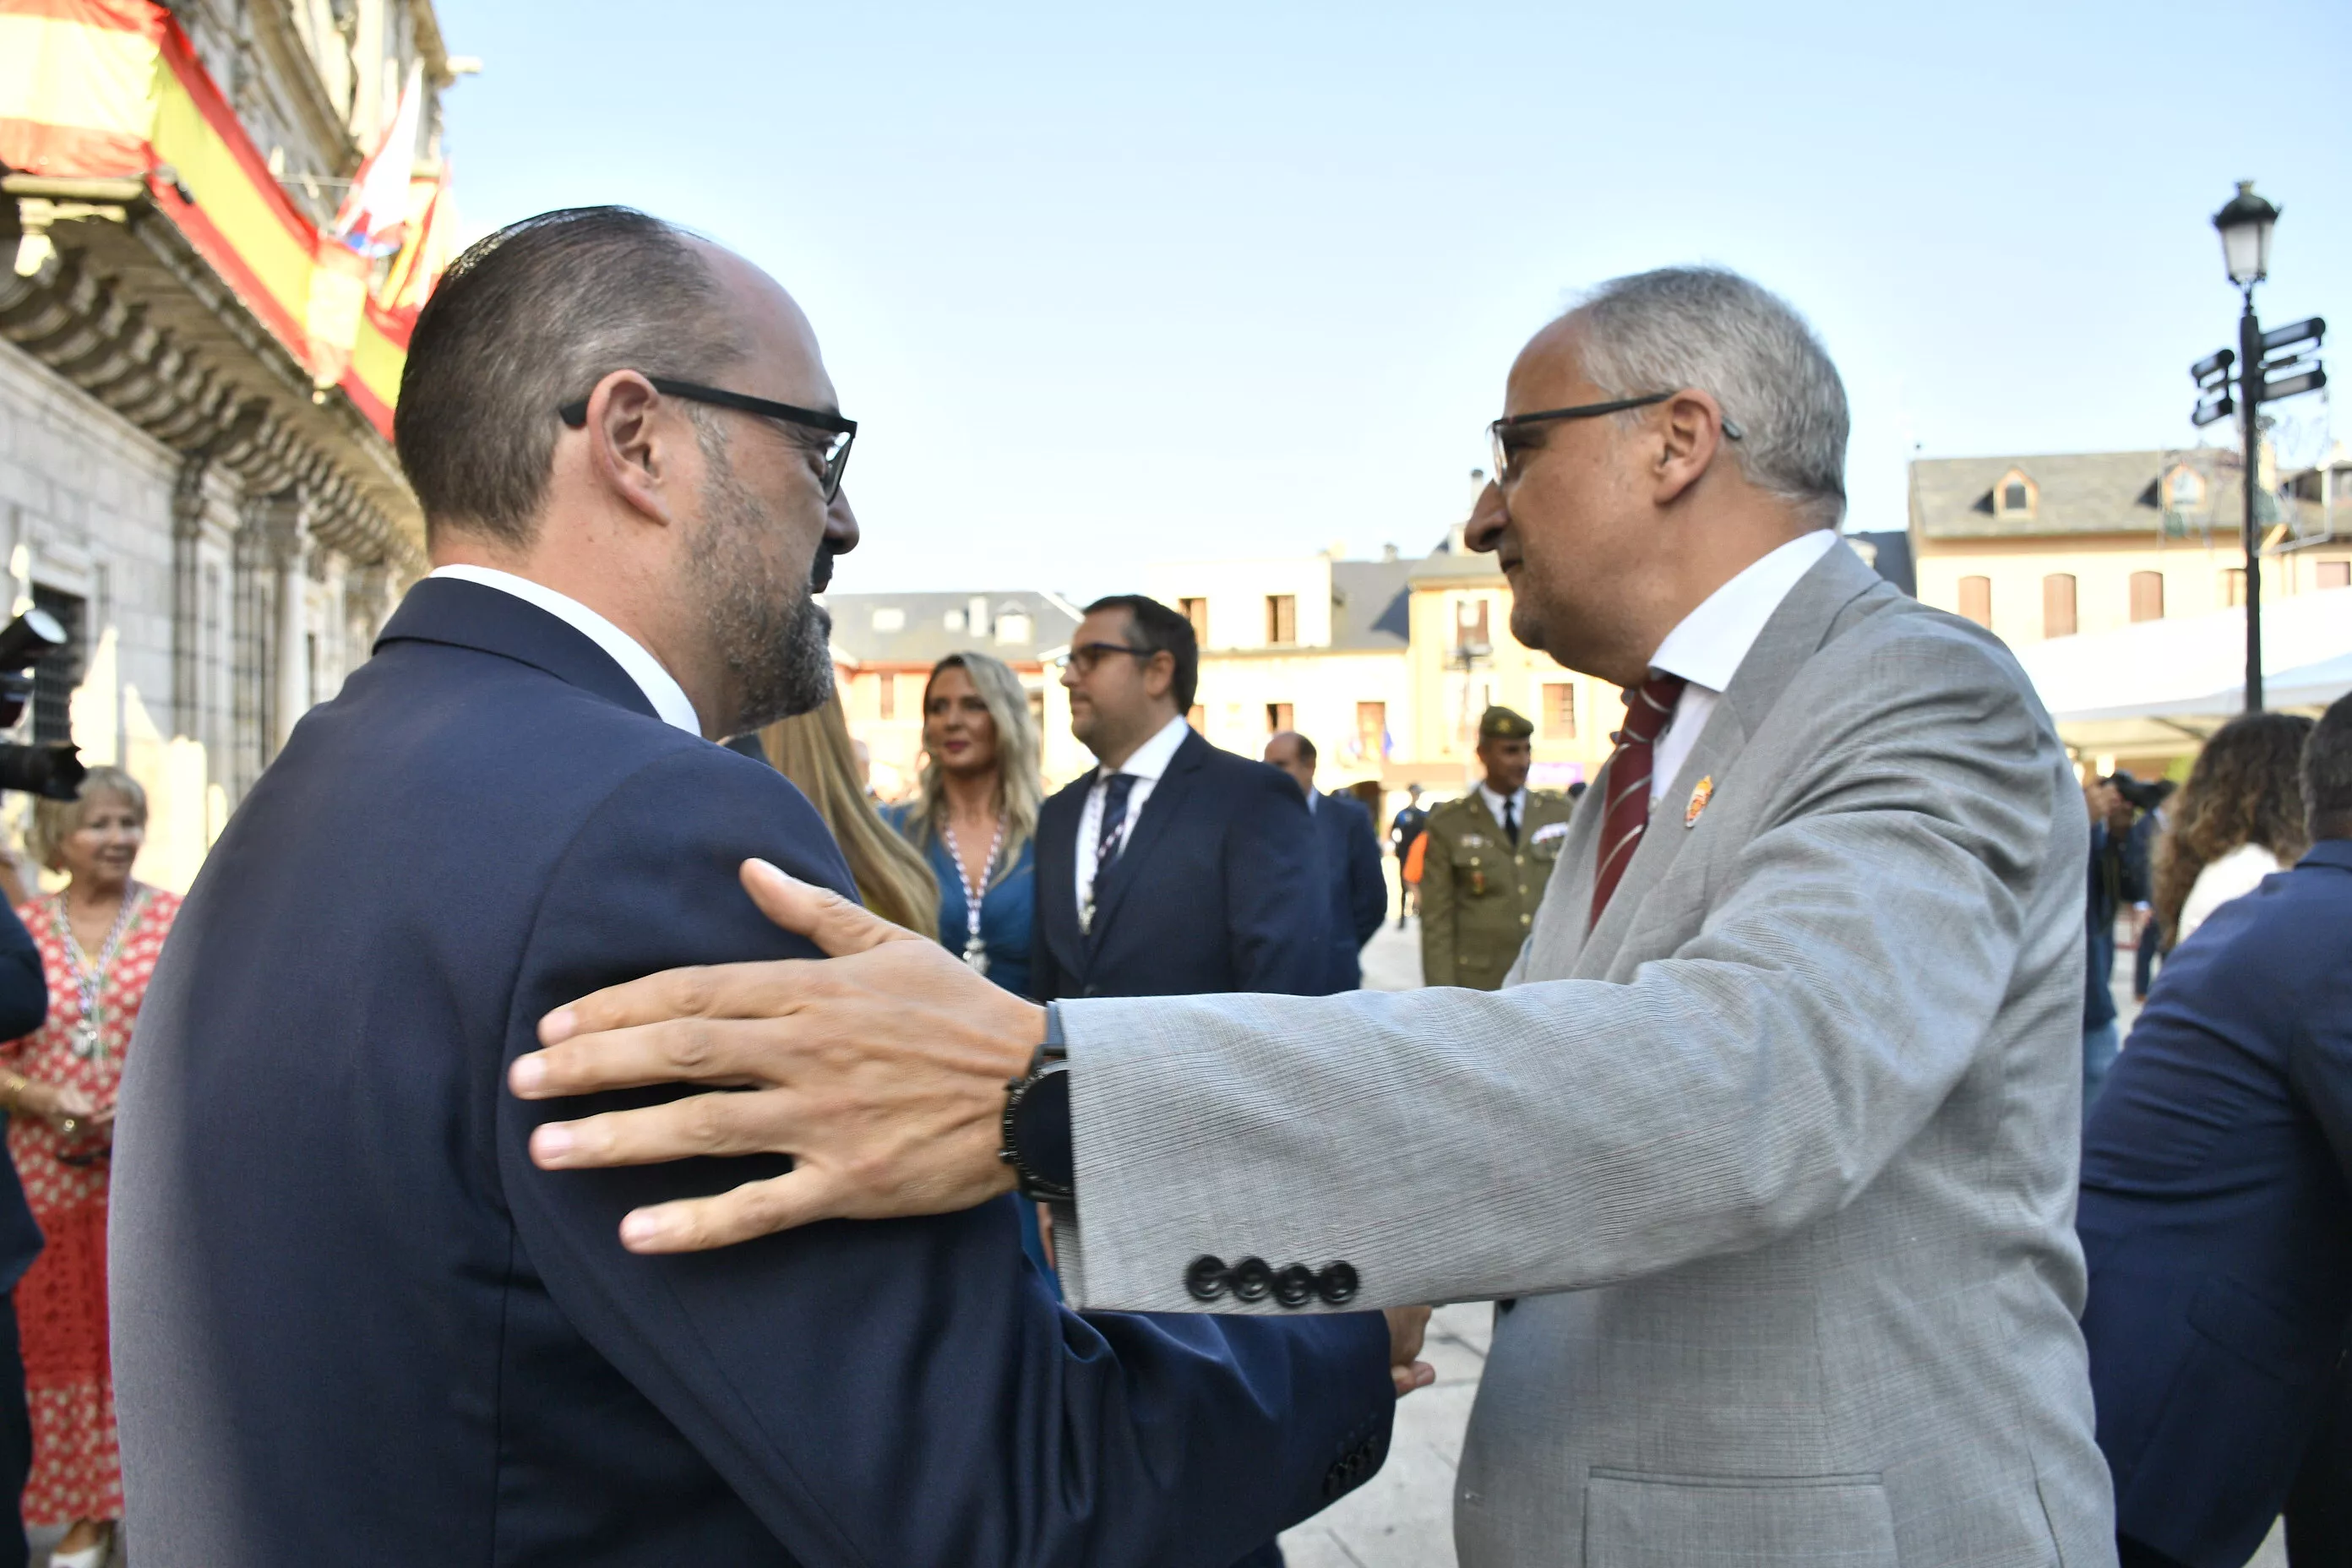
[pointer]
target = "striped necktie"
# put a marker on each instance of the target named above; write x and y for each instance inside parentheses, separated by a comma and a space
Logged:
(1648, 709)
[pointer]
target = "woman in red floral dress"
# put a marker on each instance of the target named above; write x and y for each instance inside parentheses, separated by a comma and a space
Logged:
(98, 939)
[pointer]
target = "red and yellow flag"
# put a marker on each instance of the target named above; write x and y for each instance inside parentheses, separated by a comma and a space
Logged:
(113, 89)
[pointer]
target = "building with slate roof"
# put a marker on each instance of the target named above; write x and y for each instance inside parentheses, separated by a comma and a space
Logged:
(2054, 544)
(1314, 644)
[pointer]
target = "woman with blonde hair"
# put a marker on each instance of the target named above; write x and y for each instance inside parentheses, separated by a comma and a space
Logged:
(815, 750)
(975, 819)
(2238, 819)
(98, 938)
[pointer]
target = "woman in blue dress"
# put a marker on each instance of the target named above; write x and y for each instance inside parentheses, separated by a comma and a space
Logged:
(975, 822)
(975, 818)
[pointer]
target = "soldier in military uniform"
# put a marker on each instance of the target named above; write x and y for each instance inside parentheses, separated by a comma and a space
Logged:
(1489, 855)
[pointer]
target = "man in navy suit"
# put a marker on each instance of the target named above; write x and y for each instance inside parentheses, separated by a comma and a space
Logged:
(1173, 868)
(2216, 1208)
(1351, 860)
(359, 1316)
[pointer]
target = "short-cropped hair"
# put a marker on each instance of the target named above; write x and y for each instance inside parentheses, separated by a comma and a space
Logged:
(1710, 329)
(527, 321)
(2327, 772)
(1158, 629)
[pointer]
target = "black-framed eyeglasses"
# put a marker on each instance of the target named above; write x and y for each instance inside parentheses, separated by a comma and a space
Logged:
(1499, 434)
(1087, 655)
(835, 452)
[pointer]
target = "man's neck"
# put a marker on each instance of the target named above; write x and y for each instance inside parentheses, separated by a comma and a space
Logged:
(634, 619)
(1114, 758)
(1499, 792)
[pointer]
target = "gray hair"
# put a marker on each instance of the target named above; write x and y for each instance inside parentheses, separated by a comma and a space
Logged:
(1708, 328)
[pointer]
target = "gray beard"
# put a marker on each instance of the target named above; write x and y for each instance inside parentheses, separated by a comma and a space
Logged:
(772, 634)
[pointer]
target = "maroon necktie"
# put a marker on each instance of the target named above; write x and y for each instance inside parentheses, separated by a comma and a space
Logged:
(1648, 707)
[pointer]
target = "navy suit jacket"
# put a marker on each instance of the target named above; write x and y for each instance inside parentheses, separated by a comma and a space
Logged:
(2216, 1217)
(24, 1004)
(1359, 899)
(1219, 888)
(354, 1324)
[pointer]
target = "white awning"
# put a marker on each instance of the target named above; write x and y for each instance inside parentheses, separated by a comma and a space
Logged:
(2190, 674)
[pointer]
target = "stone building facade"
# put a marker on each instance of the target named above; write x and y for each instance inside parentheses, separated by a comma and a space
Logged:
(218, 519)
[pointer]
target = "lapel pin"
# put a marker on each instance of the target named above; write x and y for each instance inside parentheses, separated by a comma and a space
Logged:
(1701, 792)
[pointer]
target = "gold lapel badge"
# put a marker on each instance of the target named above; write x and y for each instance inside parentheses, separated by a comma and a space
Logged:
(1701, 792)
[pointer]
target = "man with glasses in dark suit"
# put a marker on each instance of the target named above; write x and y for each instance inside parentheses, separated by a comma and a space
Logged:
(353, 1321)
(1173, 867)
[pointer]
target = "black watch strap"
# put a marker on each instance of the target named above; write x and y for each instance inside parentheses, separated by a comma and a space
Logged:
(1036, 1139)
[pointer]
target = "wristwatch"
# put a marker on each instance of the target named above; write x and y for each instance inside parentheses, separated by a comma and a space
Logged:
(1036, 1129)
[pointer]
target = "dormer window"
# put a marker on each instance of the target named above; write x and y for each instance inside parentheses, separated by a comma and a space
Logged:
(2184, 490)
(2015, 495)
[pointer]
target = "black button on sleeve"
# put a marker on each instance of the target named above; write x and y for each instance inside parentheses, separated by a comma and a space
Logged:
(1252, 1280)
(1294, 1286)
(1339, 1284)
(1205, 1279)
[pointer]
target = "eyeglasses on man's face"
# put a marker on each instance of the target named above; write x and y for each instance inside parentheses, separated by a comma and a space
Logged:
(1514, 434)
(831, 445)
(1085, 656)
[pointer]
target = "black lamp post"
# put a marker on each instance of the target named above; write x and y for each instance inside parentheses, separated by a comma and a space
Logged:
(2245, 225)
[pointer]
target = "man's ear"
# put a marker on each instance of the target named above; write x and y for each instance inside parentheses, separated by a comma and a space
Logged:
(1159, 673)
(633, 444)
(1689, 430)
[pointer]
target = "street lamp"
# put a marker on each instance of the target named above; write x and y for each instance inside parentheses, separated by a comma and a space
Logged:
(2245, 225)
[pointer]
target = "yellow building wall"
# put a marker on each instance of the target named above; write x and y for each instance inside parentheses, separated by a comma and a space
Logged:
(1447, 699)
(2194, 575)
(1322, 688)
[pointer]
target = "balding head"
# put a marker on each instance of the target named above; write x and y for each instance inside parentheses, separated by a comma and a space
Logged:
(565, 415)
(526, 321)
(1293, 754)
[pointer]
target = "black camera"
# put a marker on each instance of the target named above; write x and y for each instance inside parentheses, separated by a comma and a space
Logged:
(53, 768)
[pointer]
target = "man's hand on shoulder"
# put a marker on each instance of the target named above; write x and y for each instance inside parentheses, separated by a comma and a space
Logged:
(880, 1069)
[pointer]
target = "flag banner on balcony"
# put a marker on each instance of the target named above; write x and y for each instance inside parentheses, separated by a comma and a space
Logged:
(98, 90)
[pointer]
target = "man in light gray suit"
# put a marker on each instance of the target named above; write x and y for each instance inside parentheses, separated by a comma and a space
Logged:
(1772, 1130)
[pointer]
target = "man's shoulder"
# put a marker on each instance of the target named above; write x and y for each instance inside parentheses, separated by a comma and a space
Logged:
(1452, 812)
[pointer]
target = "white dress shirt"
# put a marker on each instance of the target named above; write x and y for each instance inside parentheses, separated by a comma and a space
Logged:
(1519, 803)
(1150, 761)
(661, 688)
(1707, 648)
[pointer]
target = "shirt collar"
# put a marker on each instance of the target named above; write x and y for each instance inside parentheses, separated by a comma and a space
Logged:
(1152, 757)
(1707, 648)
(1495, 802)
(661, 688)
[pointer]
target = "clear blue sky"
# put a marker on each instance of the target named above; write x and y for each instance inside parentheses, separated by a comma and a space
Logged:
(1246, 279)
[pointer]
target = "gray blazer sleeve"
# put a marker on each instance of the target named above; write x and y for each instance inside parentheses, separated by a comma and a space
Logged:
(1841, 967)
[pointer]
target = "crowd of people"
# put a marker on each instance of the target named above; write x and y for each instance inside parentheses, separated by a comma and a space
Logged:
(495, 1172)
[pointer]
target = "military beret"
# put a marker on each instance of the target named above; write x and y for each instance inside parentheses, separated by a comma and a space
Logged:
(1500, 723)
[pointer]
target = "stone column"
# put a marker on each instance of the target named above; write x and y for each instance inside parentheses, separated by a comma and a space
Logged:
(292, 698)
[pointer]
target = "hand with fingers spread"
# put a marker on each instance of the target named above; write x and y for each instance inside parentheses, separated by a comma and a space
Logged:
(881, 1070)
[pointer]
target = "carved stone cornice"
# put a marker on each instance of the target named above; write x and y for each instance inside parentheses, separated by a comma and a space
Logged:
(126, 312)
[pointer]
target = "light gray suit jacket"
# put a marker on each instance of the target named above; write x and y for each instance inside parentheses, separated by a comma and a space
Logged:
(1780, 1158)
